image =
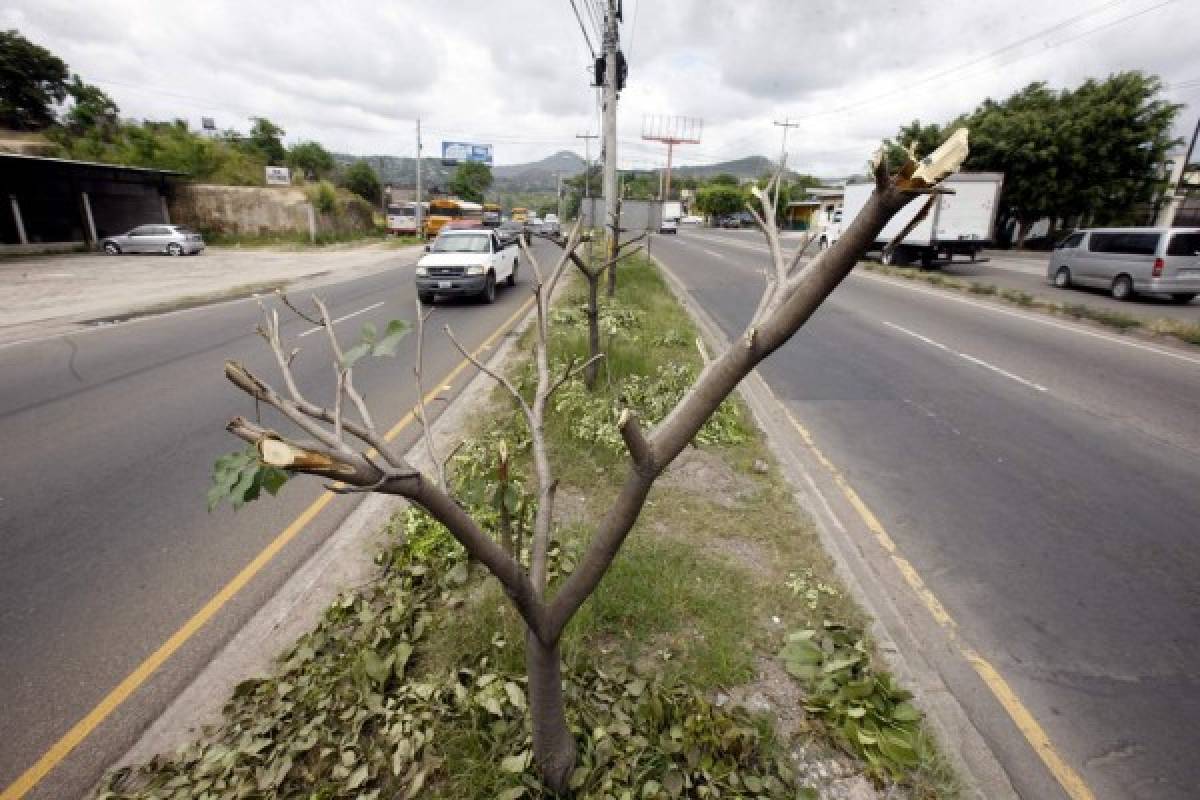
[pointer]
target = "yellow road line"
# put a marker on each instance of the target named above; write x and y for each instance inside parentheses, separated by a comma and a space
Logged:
(1067, 777)
(123, 690)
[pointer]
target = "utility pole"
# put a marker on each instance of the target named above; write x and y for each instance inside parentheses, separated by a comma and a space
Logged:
(419, 210)
(610, 136)
(587, 172)
(1177, 197)
(785, 124)
(560, 199)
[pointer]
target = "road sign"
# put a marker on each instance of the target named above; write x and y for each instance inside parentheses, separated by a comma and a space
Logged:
(456, 152)
(278, 176)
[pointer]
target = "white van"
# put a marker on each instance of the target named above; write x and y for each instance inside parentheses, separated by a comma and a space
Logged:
(1130, 260)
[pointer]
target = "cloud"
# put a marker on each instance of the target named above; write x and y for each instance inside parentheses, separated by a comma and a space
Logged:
(355, 74)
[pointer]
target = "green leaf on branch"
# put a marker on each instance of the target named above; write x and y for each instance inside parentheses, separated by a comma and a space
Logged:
(240, 477)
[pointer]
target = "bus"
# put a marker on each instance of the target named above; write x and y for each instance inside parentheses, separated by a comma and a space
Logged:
(491, 215)
(402, 219)
(445, 209)
(520, 214)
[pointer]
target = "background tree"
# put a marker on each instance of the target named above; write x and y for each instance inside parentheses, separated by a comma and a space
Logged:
(365, 462)
(574, 186)
(1090, 154)
(924, 139)
(266, 139)
(91, 108)
(311, 160)
(723, 179)
(720, 200)
(362, 180)
(471, 180)
(32, 81)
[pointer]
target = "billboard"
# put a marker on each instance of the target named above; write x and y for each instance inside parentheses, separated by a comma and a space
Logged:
(455, 152)
(278, 176)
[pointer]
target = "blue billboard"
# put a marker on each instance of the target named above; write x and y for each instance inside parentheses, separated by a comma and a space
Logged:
(456, 152)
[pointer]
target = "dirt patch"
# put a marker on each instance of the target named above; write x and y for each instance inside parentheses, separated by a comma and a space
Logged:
(701, 472)
(570, 507)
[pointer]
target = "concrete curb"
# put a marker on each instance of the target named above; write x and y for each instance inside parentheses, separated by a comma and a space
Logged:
(906, 640)
(344, 561)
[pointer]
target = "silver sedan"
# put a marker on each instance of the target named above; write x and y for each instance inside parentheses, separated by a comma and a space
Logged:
(173, 240)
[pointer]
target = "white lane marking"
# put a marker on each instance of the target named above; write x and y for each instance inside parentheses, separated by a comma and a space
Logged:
(713, 253)
(1031, 317)
(966, 356)
(345, 317)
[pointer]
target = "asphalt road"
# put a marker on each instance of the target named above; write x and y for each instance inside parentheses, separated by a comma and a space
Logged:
(106, 547)
(1040, 476)
(1025, 272)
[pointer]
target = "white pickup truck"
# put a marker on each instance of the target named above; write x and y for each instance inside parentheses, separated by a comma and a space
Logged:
(467, 262)
(961, 222)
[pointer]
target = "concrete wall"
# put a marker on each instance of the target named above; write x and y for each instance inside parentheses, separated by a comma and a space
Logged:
(264, 210)
(636, 215)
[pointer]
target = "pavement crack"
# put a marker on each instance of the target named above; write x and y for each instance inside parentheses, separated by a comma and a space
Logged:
(1115, 755)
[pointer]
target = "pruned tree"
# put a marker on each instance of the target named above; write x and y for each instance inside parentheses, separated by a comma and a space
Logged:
(346, 448)
(593, 274)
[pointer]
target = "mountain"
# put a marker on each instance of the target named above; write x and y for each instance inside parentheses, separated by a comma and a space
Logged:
(538, 176)
(744, 168)
(531, 177)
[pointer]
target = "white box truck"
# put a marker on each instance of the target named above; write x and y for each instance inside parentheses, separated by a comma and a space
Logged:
(672, 210)
(958, 223)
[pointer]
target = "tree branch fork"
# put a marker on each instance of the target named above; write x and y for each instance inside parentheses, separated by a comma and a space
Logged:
(347, 448)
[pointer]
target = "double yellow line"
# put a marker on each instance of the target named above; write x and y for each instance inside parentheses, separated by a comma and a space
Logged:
(125, 689)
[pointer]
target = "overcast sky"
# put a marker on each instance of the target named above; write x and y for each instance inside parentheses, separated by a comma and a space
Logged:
(355, 75)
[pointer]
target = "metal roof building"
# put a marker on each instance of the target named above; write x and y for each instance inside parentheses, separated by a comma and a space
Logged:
(56, 203)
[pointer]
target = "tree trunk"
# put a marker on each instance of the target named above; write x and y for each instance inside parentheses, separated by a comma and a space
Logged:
(593, 319)
(553, 744)
(1022, 232)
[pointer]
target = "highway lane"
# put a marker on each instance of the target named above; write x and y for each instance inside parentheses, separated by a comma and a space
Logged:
(1040, 477)
(1022, 272)
(106, 547)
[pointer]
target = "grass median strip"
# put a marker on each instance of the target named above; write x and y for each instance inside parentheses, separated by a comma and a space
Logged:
(1186, 332)
(719, 657)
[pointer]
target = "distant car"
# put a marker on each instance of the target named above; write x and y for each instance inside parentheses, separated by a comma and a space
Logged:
(511, 231)
(533, 225)
(668, 225)
(1127, 261)
(463, 225)
(172, 240)
(729, 222)
(691, 219)
(550, 225)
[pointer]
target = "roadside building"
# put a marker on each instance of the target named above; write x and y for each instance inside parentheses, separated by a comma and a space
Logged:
(815, 211)
(56, 204)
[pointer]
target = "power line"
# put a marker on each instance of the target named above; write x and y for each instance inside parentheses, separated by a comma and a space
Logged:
(583, 30)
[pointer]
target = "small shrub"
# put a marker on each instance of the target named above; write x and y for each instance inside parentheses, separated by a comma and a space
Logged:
(323, 197)
(982, 288)
(1024, 299)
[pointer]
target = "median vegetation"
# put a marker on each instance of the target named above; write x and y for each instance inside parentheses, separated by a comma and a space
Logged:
(1186, 332)
(719, 657)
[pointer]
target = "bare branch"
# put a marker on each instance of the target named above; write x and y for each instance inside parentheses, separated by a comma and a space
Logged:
(426, 427)
(287, 302)
(571, 371)
(914, 222)
(486, 370)
(348, 384)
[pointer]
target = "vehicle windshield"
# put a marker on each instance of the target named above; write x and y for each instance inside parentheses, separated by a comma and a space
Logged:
(460, 244)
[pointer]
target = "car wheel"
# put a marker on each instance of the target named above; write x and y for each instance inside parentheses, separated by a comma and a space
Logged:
(1183, 299)
(489, 288)
(1062, 278)
(1122, 288)
(426, 298)
(512, 276)
(174, 249)
(112, 249)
